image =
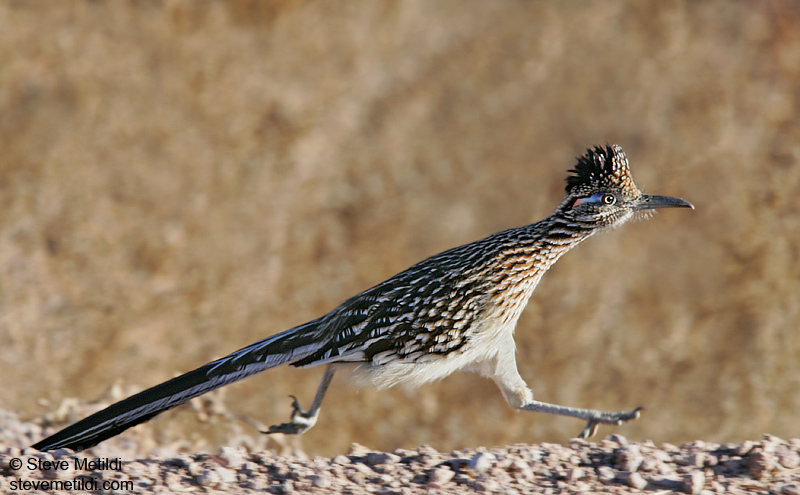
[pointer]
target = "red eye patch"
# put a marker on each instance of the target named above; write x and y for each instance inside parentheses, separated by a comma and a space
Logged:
(594, 198)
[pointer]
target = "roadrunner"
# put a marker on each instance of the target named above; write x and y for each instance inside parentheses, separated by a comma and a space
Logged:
(453, 311)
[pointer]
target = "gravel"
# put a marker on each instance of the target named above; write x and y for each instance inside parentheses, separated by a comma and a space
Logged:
(612, 465)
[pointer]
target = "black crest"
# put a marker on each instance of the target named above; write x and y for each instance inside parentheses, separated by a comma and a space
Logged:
(600, 167)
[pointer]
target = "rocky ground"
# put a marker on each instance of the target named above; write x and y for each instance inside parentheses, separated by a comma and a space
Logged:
(612, 465)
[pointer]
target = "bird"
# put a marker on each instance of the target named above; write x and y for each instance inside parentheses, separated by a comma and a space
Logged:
(456, 310)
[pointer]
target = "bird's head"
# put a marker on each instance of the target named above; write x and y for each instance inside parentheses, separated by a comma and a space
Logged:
(601, 192)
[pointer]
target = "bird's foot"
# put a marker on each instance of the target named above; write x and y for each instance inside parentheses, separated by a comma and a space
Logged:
(609, 418)
(301, 421)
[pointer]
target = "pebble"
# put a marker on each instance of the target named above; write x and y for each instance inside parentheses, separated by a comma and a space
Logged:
(358, 450)
(649, 464)
(694, 482)
(486, 485)
(481, 462)
(574, 474)
(363, 469)
(770, 465)
(669, 482)
(629, 458)
(760, 463)
(745, 447)
(226, 475)
(232, 457)
(195, 468)
(520, 469)
(59, 453)
(440, 476)
(207, 477)
(377, 458)
(790, 459)
(320, 481)
(697, 459)
(606, 474)
(618, 439)
(790, 489)
(633, 480)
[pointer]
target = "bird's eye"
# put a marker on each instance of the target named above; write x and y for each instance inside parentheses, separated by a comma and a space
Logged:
(597, 198)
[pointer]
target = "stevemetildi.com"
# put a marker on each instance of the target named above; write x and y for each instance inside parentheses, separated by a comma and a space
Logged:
(61, 474)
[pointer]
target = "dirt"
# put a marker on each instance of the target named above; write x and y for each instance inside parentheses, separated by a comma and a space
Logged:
(610, 465)
(179, 179)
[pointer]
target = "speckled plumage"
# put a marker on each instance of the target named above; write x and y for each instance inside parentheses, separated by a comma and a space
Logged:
(456, 310)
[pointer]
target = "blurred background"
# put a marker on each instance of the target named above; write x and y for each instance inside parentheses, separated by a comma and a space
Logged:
(179, 179)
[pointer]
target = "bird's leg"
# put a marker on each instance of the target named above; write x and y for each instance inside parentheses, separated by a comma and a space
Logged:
(593, 417)
(303, 421)
(503, 370)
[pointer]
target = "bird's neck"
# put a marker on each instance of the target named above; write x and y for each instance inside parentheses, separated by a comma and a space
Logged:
(525, 258)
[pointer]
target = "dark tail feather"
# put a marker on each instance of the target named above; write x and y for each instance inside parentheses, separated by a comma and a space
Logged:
(279, 349)
(136, 409)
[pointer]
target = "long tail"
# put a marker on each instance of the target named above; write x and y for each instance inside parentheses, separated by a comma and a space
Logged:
(285, 347)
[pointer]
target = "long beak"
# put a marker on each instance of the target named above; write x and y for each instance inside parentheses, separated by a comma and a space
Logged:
(651, 202)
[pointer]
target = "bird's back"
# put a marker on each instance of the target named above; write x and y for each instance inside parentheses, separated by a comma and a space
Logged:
(443, 312)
